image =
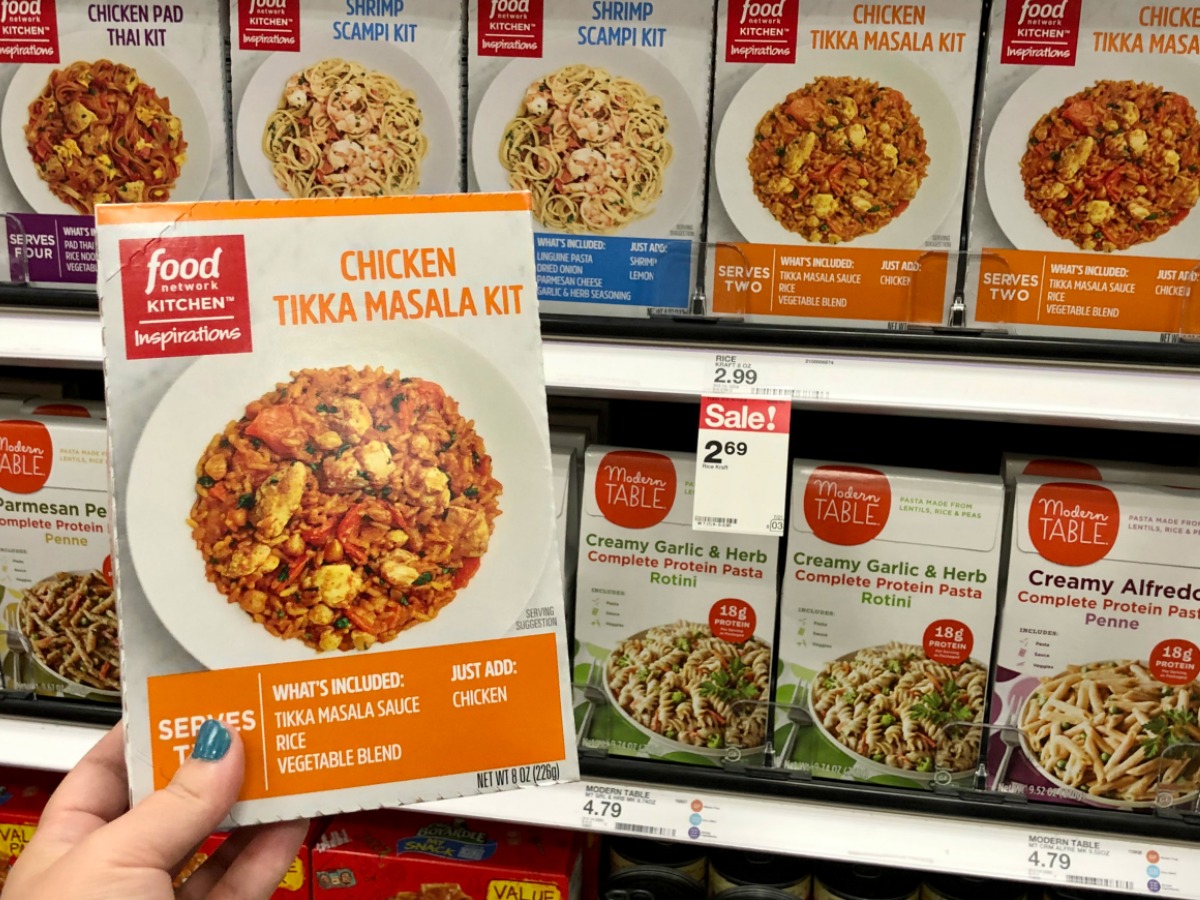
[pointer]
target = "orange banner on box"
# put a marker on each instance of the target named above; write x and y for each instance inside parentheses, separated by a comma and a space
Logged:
(907, 286)
(1027, 287)
(353, 721)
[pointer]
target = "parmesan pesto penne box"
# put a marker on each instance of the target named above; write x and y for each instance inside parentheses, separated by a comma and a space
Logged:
(335, 520)
(1096, 695)
(600, 111)
(346, 98)
(103, 103)
(886, 620)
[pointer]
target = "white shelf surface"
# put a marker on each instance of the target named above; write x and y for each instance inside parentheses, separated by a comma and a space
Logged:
(50, 338)
(44, 744)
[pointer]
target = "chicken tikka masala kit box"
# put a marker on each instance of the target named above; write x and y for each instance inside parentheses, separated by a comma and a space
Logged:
(335, 526)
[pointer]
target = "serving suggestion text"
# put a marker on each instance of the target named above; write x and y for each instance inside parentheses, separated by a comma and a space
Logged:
(386, 304)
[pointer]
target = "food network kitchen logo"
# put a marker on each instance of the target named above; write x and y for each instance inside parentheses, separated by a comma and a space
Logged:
(28, 31)
(1040, 33)
(510, 28)
(185, 296)
(762, 32)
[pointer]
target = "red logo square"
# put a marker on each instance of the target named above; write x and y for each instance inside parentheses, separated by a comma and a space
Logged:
(28, 31)
(510, 28)
(269, 25)
(762, 31)
(1040, 32)
(185, 296)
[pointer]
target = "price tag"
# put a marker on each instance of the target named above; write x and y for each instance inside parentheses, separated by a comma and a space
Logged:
(742, 464)
(646, 812)
(738, 373)
(1108, 865)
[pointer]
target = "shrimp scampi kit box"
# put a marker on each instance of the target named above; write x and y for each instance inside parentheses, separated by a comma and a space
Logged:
(335, 520)
(1082, 220)
(840, 139)
(886, 618)
(1096, 693)
(103, 103)
(600, 111)
(346, 99)
(673, 626)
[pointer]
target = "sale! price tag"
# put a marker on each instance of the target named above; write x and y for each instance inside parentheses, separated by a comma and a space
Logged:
(741, 465)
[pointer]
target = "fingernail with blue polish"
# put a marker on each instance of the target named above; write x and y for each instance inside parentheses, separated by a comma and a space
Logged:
(213, 741)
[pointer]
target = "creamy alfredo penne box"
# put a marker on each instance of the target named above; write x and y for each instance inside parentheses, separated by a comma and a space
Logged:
(1097, 659)
(335, 521)
(1081, 221)
(839, 155)
(673, 626)
(346, 99)
(886, 619)
(103, 103)
(58, 616)
(600, 111)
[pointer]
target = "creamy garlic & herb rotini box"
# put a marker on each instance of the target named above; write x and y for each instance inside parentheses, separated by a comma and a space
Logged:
(886, 618)
(1082, 219)
(600, 111)
(839, 157)
(1097, 660)
(673, 626)
(346, 99)
(335, 522)
(103, 103)
(58, 616)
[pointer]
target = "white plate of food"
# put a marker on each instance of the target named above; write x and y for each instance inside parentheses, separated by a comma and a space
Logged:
(939, 181)
(163, 85)
(411, 99)
(1046, 93)
(402, 554)
(852, 670)
(1135, 773)
(655, 716)
(659, 96)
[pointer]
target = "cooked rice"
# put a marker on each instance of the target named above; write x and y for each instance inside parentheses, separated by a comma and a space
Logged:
(838, 158)
(1114, 165)
(345, 506)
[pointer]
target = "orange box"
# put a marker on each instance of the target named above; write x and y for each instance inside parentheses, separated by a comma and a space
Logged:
(414, 856)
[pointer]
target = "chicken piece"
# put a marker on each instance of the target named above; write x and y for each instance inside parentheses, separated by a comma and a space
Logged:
(330, 640)
(824, 205)
(1056, 190)
(376, 460)
(1137, 142)
(779, 184)
(348, 417)
(857, 135)
(433, 486)
(891, 157)
(396, 570)
(77, 117)
(246, 561)
(1076, 156)
(320, 614)
(336, 585)
(862, 201)
(1099, 211)
(1128, 112)
(1171, 162)
(1138, 209)
(472, 524)
(278, 499)
(798, 152)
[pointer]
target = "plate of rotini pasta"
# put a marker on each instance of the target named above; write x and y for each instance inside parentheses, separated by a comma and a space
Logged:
(1111, 734)
(680, 685)
(893, 711)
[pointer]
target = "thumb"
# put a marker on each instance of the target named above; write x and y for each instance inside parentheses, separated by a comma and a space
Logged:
(165, 827)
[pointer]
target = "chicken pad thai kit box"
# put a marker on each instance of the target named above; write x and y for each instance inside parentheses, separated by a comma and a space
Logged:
(886, 619)
(415, 856)
(600, 111)
(1089, 170)
(839, 154)
(1097, 659)
(58, 616)
(336, 99)
(335, 522)
(103, 103)
(673, 626)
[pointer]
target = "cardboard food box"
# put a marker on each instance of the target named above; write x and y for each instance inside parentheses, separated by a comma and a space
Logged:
(296, 883)
(1017, 465)
(674, 626)
(839, 156)
(58, 617)
(103, 103)
(336, 521)
(1097, 657)
(886, 619)
(23, 796)
(334, 99)
(600, 110)
(412, 856)
(1081, 221)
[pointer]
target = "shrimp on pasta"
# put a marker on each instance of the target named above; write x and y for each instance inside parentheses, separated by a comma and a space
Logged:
(99, 134)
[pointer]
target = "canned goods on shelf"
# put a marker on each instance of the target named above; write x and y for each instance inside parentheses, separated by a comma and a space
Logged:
(729, 869)
(851, 881)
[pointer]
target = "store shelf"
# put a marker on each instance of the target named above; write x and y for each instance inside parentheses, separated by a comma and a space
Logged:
(45, 744)
(68, 338)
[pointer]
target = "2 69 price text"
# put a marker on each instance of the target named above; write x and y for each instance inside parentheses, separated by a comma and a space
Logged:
(729, 448)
